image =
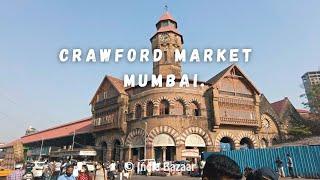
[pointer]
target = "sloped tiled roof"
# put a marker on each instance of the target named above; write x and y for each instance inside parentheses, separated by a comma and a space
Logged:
(221, 74)
(117, 84)
(79, 127)
(279, 106)
(218, 76)
(166, 16)
(168, 28)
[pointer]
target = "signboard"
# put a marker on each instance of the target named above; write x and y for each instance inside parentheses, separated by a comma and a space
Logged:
(87, 153)
(190, 153)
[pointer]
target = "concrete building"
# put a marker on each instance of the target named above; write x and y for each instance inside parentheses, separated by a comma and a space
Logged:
(309, 80)
(228, 112)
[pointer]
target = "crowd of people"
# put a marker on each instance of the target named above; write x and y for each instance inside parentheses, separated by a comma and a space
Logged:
(216, 166)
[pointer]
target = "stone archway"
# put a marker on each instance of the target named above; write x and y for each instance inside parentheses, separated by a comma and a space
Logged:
(250, 137)
(135, 144)
(131, 136)
(199, 131)
(225, 137)
(162, 142)
(166, 130)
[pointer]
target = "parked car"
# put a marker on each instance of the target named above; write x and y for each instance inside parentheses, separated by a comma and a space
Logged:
(38, 168)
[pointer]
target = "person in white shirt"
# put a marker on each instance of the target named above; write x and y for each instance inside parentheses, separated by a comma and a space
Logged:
(112, 169)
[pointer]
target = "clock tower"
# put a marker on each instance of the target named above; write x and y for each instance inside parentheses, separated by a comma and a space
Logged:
(168, 39)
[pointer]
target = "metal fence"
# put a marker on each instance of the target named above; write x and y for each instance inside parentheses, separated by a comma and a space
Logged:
(306, 159)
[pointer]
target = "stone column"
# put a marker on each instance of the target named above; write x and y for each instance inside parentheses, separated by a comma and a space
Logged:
(150, 153)
(179, 148)
(164, 150)
(156, 110)
(216, 110)
(127, 152)
(257, 111)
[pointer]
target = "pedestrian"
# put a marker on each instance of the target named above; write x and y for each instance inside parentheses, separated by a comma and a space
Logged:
(17, 173)
(290, 165)
(120, 168)
(68, 174)
(112, 170)
(84, 173)
(249, 173)
(279, 164)
(220, 166)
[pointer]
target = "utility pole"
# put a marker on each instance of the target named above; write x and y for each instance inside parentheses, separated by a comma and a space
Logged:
(74, 134)
(40, 150)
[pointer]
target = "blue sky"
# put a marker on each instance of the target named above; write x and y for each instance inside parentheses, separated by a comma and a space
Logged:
(36, 89)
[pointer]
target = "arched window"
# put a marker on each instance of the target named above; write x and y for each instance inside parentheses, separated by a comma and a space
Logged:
(246, 143)
(195, 109)
(149, 109)
(164, 107)
(138, 113)
(226, 144)
(180, 108)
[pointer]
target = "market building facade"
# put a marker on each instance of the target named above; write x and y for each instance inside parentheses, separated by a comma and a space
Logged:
(224, 113)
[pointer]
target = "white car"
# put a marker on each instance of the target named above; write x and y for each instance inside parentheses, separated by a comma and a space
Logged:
(37, 169)
(90, 166)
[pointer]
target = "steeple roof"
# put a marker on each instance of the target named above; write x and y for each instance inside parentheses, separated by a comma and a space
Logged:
(167, 16)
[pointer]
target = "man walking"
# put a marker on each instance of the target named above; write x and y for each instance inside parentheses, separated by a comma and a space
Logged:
(290, 165)
(279, 164)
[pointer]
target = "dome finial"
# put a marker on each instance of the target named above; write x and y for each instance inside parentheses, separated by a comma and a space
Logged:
(166, 8)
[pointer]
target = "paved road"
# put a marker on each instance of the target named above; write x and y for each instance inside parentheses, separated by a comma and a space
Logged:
(137, 177)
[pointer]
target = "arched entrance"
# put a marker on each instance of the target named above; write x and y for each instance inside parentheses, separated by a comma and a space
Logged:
(103, 152)
(164, 148)
(195, 141)
(226, 144)
(136, 144)
(246, 143)
(116, 150)
(137, 148)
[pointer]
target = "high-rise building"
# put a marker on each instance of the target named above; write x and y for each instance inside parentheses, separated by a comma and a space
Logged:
(310, 79)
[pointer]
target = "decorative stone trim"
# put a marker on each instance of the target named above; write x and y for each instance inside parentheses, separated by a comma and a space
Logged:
(157, 102)
(132, 134)
(249, 136)
(181, 99)
(163, 129)
(226, 134)
(196, 101)
(199, 131)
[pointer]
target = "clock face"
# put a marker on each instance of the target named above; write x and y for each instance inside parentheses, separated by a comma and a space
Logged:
(164, 37)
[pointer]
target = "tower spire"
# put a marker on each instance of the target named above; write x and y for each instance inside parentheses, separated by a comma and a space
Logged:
(168, 39)
(165, 8)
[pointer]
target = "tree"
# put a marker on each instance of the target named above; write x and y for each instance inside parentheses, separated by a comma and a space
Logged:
(313, 121)
(313, 95)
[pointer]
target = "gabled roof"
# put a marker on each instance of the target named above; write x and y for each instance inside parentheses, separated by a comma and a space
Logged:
(116, 83)
(279, 106)
(224, 72)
